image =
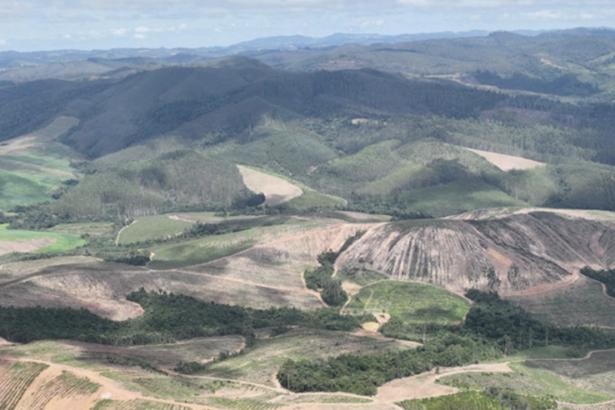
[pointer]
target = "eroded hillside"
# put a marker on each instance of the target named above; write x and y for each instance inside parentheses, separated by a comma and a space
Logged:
(511, 255)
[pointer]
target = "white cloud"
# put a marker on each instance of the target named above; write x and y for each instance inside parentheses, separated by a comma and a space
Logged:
(141, 36)
(120, 32)
(3, 42)
(142, 29)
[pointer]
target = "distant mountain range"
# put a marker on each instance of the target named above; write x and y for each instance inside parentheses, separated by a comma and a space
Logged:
(131, 56)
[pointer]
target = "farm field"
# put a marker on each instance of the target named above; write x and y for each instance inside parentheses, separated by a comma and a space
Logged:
(64, 389)
(581, 303)
(207, 249)
(151, 227)
(31, 165)
(169, 225)
(261, 361)
(411, 302)
(528, 379)
(91, 228)
(15, 378)
(15, 270)
(36, 242)
(594, 372)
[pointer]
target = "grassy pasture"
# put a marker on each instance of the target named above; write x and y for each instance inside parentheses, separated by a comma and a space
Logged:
(168, 225)
(411, 302)
(30, 166)
(62, 241)
(152, 227)
(527, 380)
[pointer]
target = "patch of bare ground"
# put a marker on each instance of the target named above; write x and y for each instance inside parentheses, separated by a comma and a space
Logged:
(16, 270)
(582, 302)
(424, 385)
(507, 162)
(30, 245)
(530, 252)
(276, 190)
(501, 213)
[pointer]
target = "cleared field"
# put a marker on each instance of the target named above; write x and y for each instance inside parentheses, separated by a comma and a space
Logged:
(528, 380)
(15, 270)
(412, 302)
(276, 190)
(203, 250)
(595, 372)
(309, 198)
(15, 380)
(91, 229)
(65, 389)
(102, 287)
(32, 164)
(36, 242)
(166, 226)
(136, 405)
(260, 362)
(580, 303)
(151, 227)
(507, 162)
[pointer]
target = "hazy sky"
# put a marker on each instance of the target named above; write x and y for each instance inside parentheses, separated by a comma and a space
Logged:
(88, 24)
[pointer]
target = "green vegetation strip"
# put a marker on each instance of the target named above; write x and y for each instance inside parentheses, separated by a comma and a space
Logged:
(489, 400)
(62, 242)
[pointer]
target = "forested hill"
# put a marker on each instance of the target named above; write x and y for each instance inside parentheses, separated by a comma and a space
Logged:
(222, 101)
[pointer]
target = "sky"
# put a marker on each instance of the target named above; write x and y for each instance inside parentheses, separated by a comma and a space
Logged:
(29, 25)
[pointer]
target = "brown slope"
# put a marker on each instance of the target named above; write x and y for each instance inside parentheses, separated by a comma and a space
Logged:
(524, 251)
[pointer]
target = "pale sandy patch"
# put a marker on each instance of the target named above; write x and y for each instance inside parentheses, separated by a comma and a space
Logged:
(25, 246)
(507, 162)
(276, 190)
(371, 326)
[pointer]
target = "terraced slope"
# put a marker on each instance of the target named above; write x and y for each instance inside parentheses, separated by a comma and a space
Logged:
(512, 255)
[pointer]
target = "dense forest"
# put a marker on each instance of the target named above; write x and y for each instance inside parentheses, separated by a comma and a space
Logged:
(167, 318)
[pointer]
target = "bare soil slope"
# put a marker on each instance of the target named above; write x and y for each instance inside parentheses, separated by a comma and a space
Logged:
(507, 162)
(511, 255)
(266, 275)
(276, 190)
